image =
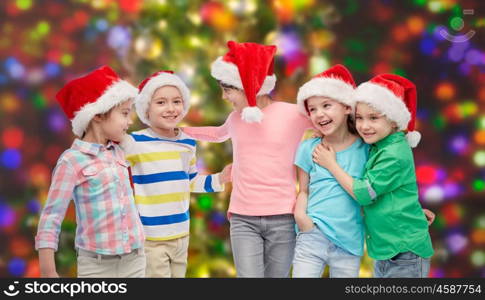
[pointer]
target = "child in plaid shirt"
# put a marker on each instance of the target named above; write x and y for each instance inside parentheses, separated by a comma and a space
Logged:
(94, 173)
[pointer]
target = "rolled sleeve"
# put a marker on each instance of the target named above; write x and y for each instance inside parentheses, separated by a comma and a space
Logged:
(362, 193)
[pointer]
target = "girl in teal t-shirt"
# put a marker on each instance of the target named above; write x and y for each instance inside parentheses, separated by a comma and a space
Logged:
(329, 222)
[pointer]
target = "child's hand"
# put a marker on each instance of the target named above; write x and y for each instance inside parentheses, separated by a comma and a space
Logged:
(324, 155)
(225, 175)
(304, 222)
(429, 215)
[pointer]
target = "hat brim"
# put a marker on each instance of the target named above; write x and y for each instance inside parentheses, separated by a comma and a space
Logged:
(383, 100)
(117, 93)
(229, 74)
(326, 87)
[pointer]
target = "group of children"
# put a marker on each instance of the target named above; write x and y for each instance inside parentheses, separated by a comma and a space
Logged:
(361, 161)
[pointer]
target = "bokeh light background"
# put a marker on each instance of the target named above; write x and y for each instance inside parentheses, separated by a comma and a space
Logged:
(45, 43)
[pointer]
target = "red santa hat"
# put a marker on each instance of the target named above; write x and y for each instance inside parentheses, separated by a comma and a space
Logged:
(249, 67)
(95, 93)
(395, 97)
(150, 84)
(336, 83)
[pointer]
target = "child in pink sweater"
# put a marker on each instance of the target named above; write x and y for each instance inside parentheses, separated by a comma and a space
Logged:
(265, 135)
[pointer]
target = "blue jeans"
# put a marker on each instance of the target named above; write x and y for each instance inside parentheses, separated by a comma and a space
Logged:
(403, 265)
(262, 246)
(314, 251)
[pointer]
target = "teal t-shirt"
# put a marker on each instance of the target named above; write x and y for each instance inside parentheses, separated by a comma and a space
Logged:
(331, 208)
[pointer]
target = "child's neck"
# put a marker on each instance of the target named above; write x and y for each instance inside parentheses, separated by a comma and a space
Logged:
(96, 137)
(263, 101)
(340, 139)
(170, 133)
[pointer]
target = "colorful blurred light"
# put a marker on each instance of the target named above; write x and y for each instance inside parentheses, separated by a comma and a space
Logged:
(478, 258)
(478, 236)
(102, 25)
(479, 158)
(205, 202)
(11, 158)
(445, 91)
(426, 174)
(40, 175)
(468, 108)
(452, 214)
(474, 57)
(288, 44)
(119, 38)
(52, 69)
(12, 137)
(478, 185)
(456, 242)
(57, 121)
(19, 246)
(434, 194)
(481, 122)
(459, 144)
(7, 215)
(34, 206)
(148, 47)
(14, 68)
(415, 25)
(317, 64)
(451, 189)
(16, 267)
(23, 4)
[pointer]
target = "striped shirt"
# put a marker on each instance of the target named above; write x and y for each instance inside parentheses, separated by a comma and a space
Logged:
(96, 177)
(164, 173)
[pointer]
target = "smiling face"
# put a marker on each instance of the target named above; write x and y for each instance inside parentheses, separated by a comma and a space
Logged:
(116, 122)
(327, 115)
(166, 108)
(235, 96)
(371, 124)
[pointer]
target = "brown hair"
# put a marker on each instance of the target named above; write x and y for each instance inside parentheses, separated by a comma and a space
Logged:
(227, 86)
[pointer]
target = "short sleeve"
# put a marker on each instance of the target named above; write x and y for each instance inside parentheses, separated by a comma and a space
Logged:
(303, 158)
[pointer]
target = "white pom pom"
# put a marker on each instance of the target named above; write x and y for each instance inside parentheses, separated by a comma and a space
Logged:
(413, 138)
(252, 114)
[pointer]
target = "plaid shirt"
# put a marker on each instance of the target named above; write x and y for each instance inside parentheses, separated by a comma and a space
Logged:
(96, 177)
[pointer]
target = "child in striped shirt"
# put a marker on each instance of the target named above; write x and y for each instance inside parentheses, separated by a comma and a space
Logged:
(94, 173)
(163, 167)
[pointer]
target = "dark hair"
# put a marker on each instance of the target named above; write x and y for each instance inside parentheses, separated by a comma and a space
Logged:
(227, 86)
(350, 119)
(351, 125)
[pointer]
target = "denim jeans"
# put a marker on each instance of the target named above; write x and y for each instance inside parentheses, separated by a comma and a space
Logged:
(404, 265)
(262, 246)
(314, 251)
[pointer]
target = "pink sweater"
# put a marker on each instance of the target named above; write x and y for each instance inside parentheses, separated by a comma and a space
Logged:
(263, 172)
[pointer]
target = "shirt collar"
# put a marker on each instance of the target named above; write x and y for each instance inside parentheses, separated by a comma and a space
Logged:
(390, 139)
(91, 148)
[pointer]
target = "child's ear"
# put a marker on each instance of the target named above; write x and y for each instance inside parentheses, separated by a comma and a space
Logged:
(348, 109)
(99, 117)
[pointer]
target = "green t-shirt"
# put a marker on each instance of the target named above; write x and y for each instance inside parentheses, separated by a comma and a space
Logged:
(393, 216)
